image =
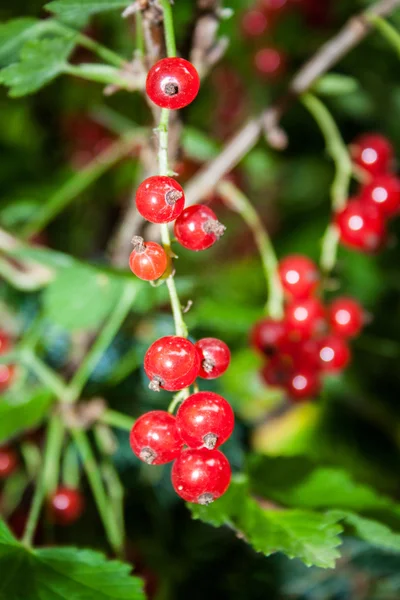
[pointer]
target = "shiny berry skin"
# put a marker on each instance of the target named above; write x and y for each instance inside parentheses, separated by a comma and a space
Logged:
(215, 357)
(299, 276)
(361, 227)
(334, 354)
(201, 476)
(171, 363)
(155, 438)
(172, 83)
(304, 382)
(373, 153)
(205, 420)
(270, 63)
(346, 317)
(254, 23)
(8, 462)
(66, 506)
(160, 199)
(197, 228)
(305, 318)
(384, 193)
(266, 336)
(148, 260)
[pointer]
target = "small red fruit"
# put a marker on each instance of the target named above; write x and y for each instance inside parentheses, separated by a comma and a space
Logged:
(160, 199)
(305, 318)
(8, 462)
(172, 83)
(373, 153)
(201, 476)
(346, 317)
(197, 228)
(148, 260)
(361, 227)
(277, 372)
(6, 376)
(266, 336)
(155, 439)
(215, 357)
(384, 193)
(303, 383)
(254, 23)
(171, 363)
(334, 354)
(5, 343)
(299, 275)
(205, 420)
(66, 506)
(270, 63)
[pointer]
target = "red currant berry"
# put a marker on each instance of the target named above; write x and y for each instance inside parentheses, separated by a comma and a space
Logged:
(201, 476)
(299, 275)
(8, 462)
(383, 193)
(172, 363)
(155, 438)
(148, 259)
(305, 318)
(346, 317)
(215, 357)
(197, 228)
(254, 23)
(273, 6)
(160, 199)
(361, 227)
(205, 420)
(66, 506)
(334, 354)
(373, 153)
(6, 376)
(303, 383)
(266, 336)
(276, 372)
(5, 343)
(172, 83)
(270, 63)
(300, 353)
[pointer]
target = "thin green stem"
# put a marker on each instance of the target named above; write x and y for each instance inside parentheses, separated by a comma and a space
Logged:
(55, 432)
(77, 184)
(163, 142)
(102, 342)
(238, 202)
(101, 74)
(99, 493)
(105, 53)
(140, 47)
(44, 373)
(168, 27)
(70, 474)
(338, 151)
(177, 399)
(180, 325)
(117, 419)
(387, 30)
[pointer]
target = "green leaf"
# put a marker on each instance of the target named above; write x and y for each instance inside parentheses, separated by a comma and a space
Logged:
(81, 297)
(198, 145)
(298, 482)
(41, 61)
(13, 36)
(62, 574)
(26, 412)
(334, 84)
(309, 536)
(70, 10)
(371, 531)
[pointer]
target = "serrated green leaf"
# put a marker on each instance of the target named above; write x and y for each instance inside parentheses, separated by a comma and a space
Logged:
(371, 531)
(77, 9)
(334, 84)
(62, 574)
(23, 413)
(307, 535)
(40, 62)
(13, 36)
(81, 297)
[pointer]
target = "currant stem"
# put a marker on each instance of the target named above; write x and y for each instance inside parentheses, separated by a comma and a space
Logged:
(338, 151)
(177, 399)
(169, 33)
(140, 47)
(238, 202)
(386, 30)
(117, 419)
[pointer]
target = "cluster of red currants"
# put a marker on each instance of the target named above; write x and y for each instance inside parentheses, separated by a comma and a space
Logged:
(311, 340)
(362, 223)
(205, 420)
(172, 83)
(6, 371)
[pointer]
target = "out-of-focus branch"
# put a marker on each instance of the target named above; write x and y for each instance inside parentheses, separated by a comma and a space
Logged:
(206, 48)
(353, 32)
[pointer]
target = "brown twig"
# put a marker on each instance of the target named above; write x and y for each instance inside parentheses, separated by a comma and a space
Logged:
(206, 48)
(353, 32)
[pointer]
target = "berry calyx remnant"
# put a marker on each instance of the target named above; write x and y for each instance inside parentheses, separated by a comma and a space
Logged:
(172, 83)
(155, 438)
(171, 363)
(160, 199)
(197, 228)
(148, 260)
(215, 357)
